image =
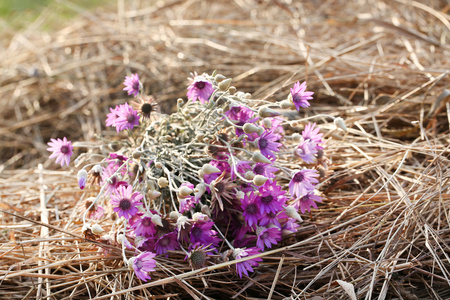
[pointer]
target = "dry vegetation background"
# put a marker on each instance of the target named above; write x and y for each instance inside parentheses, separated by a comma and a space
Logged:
(383, 66)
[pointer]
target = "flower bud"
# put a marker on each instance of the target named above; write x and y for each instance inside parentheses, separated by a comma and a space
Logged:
(180, 101)
(86, 227)
(267, 123)
(174, 215)
(219, 111)
(209, 169)
(184, 191)
(265, 112)
(82, 177)
(232, 90)
(205, 210)
(158, 165)
(199, 190)
(200, 217)
(153, 194)
(97, 229)
(250, 128)
(286, 104)
(219, 77)
(163, 182)
(225, 84)
(292, 213)
(258, 157)
(156, 219)
(297, 137)
(97, 169)
(259, 180)
(339, 122)
(137, 154)
(249, 175)
(240, 195)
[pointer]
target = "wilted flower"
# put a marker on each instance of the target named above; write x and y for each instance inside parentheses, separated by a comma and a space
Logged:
(247, 265)
(62, 150)
(144, 107)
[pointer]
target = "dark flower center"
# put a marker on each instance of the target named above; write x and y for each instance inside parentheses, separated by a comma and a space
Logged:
(220, 187)
(146, 222)
(131, 118)
(251, 209)
(196, 232)
(64, 149)
(125, 204)
(267, 199)
(139, 264)
(200, 85)
(271, 215)
(265, 235)
(198, 258)
(296, 98)
(304, 198)
(136, 85)
(146, 108)
(263, 143)
(298, 177)
(164, 241)
(259, 170)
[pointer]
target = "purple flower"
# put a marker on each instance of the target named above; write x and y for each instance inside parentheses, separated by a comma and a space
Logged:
(267, 236)
(271, 218)
(82, 177)
(186, 203)
(271, 197)
(127, 117)
(266, 170)
(267, 143)
(200, 89)
(132, 84)
(111, 180)
(126, 202)
(201, 233)
(247, 265)
(167, 242)
(306, 150)
(312, 134)
(300, 96)
(144, 226)
(112, 116)
(142, 264)
(242, 115)
(250, 209)
(302, 182)
(307, 201)
(62, 150)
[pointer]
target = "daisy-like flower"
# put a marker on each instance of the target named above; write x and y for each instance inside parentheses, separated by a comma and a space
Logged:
(202, 233)
(125, 202)
(166, 243)
(132, 84)
(142, 264)
(62, 150)
(307, 201)
(271, 197)
(127, 117)
(306, 150)
(112, 181)
(200, 89)
(267, 143)
(112, 116)
(265, 170)
(144, 226)
(247, 265)
(312, 134)
(267, 236)
(250, 209)
(198, 256)
(303, 182)
(144, 107)
(242, 115)
(300, 96)
(272, 218)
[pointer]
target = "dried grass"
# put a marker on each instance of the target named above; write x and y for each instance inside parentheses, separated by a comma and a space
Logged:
(380, 65)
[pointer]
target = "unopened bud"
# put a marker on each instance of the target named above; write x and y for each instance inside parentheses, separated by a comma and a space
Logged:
(296, 137)
(265, 112)
(249, 175)
(240, 195)
(200, 217)
(199, 190)
(174, 215)
(339, 122)
(258, 157)
(267, 123)
(156, 219)
(232, 90)
(286, 104)
(82, 176)
(97, 229)
(137, 154)
(205, 210)
(259, 180)
(292, 213)
(158, 165)
(250, 128)
(184, 191)
(163, 182)
(219, 77)
(209, 169)
(153, 194)
(225, 84)
(180, 101)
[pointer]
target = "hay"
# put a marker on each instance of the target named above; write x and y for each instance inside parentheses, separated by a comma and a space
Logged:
(382, 66)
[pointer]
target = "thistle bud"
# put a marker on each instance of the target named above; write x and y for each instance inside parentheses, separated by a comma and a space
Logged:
(225, 84)
(292, 213)
(265, 112)
(209, 169)
(82, 177)
(184, 191)
(339, 122)
(286, 104)
(163, 182)
(258, 157)
(259, 180)
(97, 229)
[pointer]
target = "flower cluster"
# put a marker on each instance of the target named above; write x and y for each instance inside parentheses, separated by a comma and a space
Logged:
(221, 175)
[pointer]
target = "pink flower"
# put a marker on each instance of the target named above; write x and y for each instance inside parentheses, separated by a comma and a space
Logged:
(267, 143)
(300, 96)
(127, 117)
(247, 265)
(307, 201)
(267, 236)
(144, 226)
(132, 84)
(271, 197)
(266, 170)
(200, 89)
(112, 116)
(62, 150)
(112, 181)
(303, 182)
(312, 134)
(126, 202)
(250, 209)
(167, 242)
(142, 264)
(306, 150)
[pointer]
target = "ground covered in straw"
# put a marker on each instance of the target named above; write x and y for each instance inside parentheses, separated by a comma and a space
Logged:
(383, 229)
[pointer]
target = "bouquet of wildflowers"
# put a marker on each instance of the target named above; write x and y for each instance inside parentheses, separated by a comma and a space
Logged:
(223, 178)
